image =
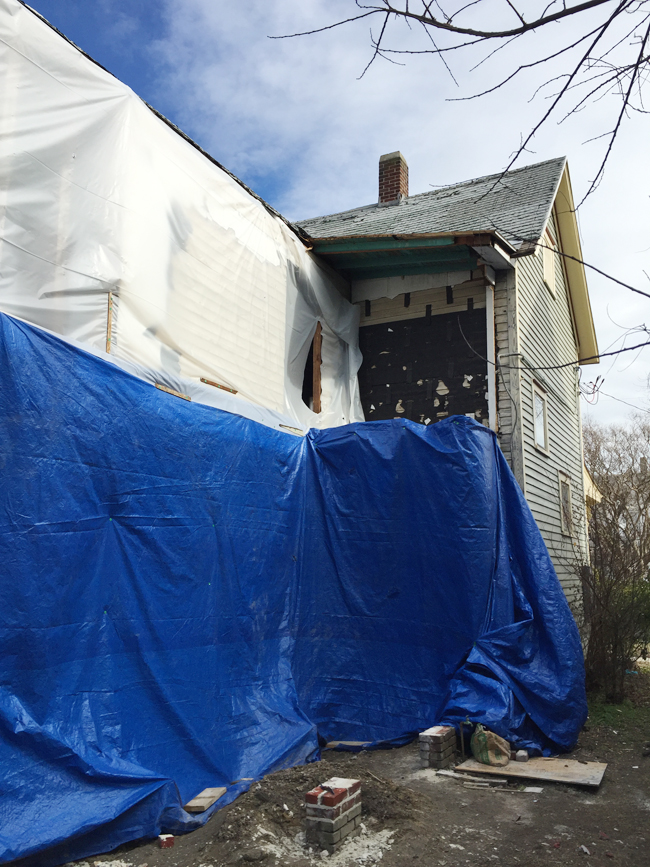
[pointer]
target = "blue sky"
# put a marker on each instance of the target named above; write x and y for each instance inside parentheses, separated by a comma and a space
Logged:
(117, 35)
(293, 120)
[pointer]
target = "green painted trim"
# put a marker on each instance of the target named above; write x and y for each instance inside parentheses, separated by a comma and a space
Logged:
(361, 245)
(369, 272)
(351, 261)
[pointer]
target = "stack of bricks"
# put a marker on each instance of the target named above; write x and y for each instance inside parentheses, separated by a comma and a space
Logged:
(333, 813)
(393, 178)
(437, 747)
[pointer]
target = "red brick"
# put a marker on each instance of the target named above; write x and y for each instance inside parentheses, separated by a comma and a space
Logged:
(331, 799)
(313, 797)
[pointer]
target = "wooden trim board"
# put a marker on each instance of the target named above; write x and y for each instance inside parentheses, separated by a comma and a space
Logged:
(109, 322)
(169, 390)
(551, 770)
(204, 800)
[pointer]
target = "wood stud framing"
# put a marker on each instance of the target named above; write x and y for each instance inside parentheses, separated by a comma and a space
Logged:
(318, 355)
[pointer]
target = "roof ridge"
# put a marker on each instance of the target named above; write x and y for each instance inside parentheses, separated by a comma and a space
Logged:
(503, 174)
(438, 190)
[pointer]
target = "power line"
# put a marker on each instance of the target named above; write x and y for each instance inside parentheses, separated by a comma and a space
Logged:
(511, 236)
(627, 403)
(549, 366)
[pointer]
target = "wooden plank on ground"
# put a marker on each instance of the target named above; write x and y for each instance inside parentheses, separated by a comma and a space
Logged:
(204, 800)
(552, 770)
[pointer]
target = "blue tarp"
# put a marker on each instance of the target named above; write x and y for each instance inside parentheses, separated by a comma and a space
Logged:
(189, 598)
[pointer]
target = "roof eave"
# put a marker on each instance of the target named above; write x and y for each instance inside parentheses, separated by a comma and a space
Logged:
(474, 238)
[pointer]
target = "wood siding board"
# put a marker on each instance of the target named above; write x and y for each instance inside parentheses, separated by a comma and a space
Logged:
(384, 310)
(547, 337)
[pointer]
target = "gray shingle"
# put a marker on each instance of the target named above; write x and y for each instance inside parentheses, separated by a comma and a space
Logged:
(516, 205)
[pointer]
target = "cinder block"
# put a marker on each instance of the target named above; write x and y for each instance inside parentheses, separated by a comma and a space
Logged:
(440, 765)
(332, 849)
(346, 829)
(332, 825)
(442, 754)
(438, 734)
(329, 839)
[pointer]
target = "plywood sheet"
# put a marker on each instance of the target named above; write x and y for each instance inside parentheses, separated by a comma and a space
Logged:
(552, 770)
(423, 369)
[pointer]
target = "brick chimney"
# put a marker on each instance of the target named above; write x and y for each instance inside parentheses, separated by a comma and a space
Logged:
(393, 178)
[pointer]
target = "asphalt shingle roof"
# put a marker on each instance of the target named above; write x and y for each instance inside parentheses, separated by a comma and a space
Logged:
(518, 208)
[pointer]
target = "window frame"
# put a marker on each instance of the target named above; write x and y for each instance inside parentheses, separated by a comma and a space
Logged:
(538, 391)
(567, 528)
(314, 376)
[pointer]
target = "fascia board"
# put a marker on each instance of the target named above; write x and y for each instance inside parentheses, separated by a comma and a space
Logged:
(575, 271)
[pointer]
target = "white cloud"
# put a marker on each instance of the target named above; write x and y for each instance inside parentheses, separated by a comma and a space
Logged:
(292, 119)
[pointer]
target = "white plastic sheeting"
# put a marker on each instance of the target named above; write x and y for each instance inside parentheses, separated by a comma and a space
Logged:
(99, 195)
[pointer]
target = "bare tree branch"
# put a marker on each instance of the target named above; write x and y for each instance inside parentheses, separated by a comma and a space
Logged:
(584, 78)
(622, 113)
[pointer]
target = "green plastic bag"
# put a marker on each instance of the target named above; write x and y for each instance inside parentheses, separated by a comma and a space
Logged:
(488, 748)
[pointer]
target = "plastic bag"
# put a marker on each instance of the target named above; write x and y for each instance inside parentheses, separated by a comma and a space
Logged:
(488, 748)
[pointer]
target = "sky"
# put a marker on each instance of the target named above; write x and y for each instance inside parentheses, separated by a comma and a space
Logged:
(297, 121)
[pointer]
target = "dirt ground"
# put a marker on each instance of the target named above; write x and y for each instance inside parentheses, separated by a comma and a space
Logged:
(417, 817)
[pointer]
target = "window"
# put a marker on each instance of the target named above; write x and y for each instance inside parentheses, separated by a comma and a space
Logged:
(311, 383)
(566, 511)
(548, 258)
(540, 421)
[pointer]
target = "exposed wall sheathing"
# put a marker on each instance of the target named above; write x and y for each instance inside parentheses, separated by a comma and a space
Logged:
(424, 355)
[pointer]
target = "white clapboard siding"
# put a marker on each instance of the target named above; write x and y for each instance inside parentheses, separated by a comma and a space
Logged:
(384, 310)
(546, 337)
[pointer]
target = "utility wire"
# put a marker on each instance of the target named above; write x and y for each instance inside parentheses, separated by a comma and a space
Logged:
(627, 403)
(539, 243)
(550, 366)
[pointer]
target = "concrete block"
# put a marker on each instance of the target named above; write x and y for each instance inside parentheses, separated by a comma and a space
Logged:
(328, 838)
(333, 824)
(443, 754)
(438, 734)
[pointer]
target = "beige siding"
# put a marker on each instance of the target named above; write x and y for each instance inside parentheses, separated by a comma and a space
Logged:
(546, 337)
(393, 309)
(508, 390)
